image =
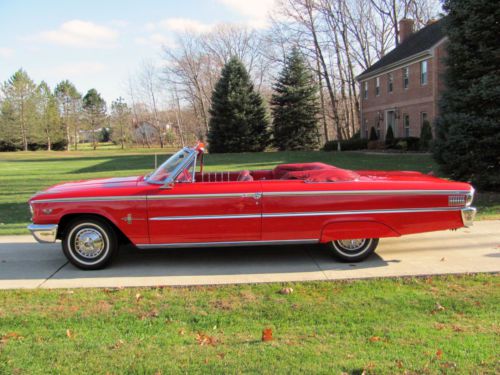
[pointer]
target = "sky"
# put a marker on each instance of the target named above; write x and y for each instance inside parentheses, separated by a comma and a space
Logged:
(100, 43)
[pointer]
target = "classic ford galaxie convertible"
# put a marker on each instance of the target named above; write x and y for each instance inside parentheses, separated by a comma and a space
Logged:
(180, 205)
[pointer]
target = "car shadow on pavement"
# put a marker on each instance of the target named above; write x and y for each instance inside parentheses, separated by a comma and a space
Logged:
(35, 261)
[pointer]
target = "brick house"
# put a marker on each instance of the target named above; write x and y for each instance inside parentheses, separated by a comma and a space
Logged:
(402, 89)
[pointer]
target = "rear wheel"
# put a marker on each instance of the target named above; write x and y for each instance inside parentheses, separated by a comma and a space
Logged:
(354, 250)
(89, 244)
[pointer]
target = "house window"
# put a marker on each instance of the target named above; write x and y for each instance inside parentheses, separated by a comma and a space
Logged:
(390, 80)
(423, 72)
(406, 77)
(406, 124)
(365, 92)
(365, 126)
(377, 86)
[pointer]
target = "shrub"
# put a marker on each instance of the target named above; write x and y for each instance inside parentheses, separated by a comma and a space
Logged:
(413, 143)
(347, 145)
(9, 146)
(389, 138)
(373, 134)
(425, 136)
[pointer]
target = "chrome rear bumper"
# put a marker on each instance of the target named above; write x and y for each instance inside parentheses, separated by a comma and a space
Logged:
(43, 232)
(468, 215)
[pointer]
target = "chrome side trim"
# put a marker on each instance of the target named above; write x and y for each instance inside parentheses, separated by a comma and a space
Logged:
(194, 196)
(361, 212)
(468, 215)
(43, 233)
(364, 192)
(252, 194)
(226, 244)
(92, 199)
(304, 214)
(206, 217)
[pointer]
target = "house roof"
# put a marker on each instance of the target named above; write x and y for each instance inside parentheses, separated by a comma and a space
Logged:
(416, 43)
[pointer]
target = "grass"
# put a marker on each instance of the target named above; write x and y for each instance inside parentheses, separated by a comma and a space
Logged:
(24, 173)
(411, 325)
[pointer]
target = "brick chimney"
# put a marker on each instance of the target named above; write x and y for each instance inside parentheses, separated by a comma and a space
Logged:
(405, 29)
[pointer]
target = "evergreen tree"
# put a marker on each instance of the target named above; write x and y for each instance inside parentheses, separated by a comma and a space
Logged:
(238, 117)
(295, 106)
(425, 136)
(20, 102)
(389, 137)
(95, 110)
(373, 134)
(49, 116)
(468, 129)
(69, 100)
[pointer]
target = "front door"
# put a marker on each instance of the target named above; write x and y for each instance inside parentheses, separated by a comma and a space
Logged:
(391, 123)
(202, 212)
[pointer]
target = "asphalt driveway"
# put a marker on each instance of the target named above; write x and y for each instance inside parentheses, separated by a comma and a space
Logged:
(27, 264)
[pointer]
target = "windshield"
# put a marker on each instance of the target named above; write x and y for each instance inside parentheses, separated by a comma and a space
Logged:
(171, 165)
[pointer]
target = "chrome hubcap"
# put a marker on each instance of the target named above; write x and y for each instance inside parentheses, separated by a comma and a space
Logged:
(352, 245)
(89, 243)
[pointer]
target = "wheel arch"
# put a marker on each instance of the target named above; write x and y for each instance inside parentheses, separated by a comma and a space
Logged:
(66, 219)
(349, 229)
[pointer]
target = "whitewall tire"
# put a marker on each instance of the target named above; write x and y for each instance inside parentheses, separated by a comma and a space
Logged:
(353, 250)
(89, 244)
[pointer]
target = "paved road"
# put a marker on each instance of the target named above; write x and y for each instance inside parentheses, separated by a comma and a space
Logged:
(26, 264)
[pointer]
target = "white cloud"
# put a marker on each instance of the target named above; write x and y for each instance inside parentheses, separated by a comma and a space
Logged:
(78, 33)
(180, 25)
(6, 52)
(257, 11)
(79, 69)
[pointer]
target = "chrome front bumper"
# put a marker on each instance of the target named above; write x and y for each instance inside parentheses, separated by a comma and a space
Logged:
(468, 215)
(43, 232)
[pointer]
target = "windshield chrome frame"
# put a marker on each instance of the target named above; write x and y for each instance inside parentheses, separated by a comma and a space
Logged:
(175, 173)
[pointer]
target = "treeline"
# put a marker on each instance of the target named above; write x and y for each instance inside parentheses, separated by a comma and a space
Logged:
(169, 102)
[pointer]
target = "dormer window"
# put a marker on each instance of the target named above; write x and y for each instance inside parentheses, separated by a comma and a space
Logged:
(377, 86)
(406, 77)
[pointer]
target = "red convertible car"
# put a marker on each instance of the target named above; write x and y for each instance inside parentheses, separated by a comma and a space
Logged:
(180, 205)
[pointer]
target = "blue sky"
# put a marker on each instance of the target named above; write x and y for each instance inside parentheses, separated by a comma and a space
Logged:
(100, 43)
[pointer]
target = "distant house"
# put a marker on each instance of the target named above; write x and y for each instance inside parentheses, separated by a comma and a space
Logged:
(402, 89)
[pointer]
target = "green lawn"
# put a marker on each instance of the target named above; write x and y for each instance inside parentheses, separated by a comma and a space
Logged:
(24, 173)
(412, 326)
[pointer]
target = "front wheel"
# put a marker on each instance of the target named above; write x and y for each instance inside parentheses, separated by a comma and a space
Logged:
(89, 244)
(354, 250)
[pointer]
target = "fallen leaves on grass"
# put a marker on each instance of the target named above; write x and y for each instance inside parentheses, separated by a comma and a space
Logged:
(138, 297)
(267, 334)
(10, 336)
(117, 345)
(439, 354)
(69, 333)
(437, 308)
(439, 326)
(375, 339)
(204, 339)
(149, 315)
(286, 291)
(181, 332)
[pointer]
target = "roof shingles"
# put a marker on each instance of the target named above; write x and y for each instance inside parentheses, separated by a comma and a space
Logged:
(418, 42)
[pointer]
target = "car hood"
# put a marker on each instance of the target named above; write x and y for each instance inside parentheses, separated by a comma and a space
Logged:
(101, 184)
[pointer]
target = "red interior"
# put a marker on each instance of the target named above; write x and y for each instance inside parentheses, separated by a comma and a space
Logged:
(312, 172)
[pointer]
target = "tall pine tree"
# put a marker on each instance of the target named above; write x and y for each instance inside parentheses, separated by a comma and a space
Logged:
(238, 117)
(295, 106)
(468, 129)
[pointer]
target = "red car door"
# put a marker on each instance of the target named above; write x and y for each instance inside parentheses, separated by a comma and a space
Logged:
(202, 212)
